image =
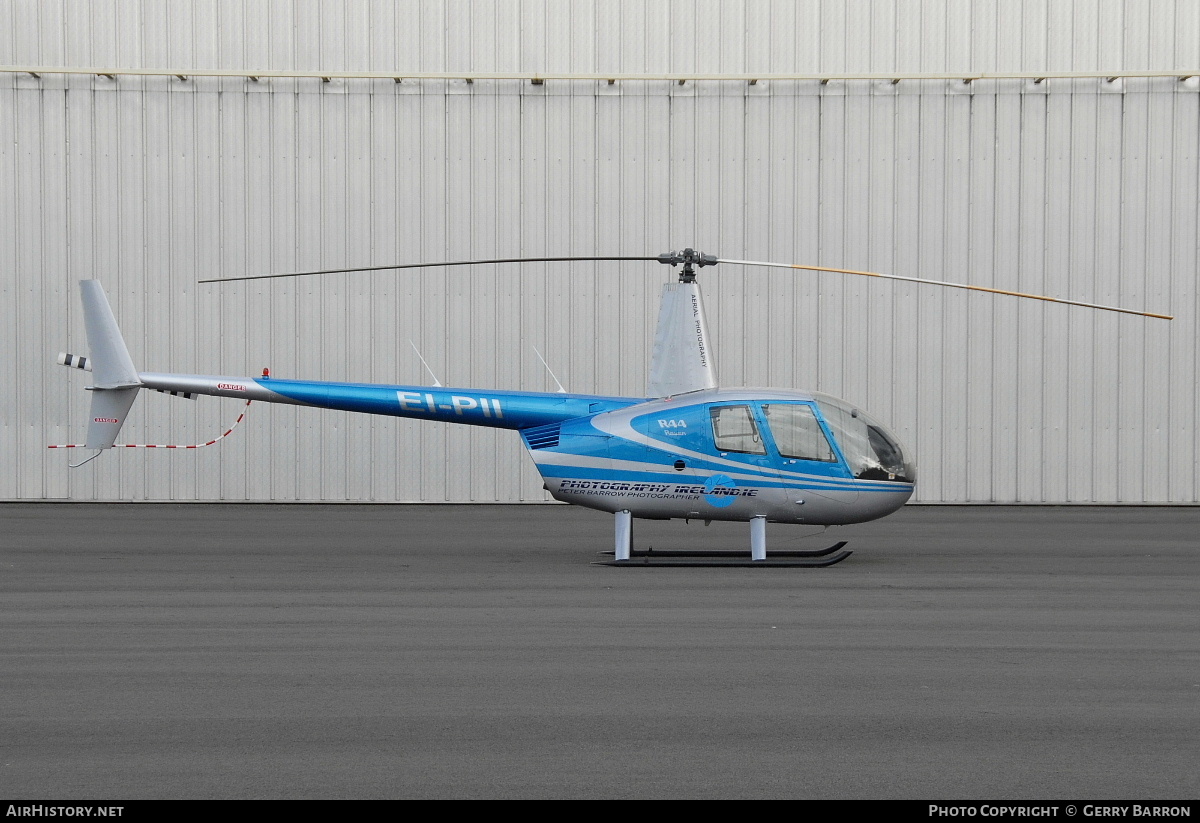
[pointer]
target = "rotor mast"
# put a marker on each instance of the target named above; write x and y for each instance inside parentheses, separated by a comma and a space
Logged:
(682, 359)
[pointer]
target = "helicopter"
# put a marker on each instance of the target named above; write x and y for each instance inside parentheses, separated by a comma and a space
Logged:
(688, 449)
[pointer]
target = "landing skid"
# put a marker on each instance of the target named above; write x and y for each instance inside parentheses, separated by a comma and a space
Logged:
(782, 559)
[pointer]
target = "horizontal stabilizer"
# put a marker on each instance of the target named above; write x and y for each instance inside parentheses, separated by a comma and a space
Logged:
(186, 395)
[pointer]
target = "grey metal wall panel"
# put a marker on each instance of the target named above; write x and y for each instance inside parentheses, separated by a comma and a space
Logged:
(631, 36)
(1082, 188)
(10, 371)
(932, 182)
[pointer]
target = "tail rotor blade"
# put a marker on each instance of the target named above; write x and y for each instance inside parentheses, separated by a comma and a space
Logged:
(951, 285)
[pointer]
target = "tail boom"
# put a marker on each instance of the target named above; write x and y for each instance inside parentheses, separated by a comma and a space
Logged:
(476, 407)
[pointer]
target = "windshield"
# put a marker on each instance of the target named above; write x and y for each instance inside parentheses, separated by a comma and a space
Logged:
(871, 451)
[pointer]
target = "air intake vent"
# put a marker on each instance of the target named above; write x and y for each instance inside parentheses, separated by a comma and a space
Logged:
(543, 437)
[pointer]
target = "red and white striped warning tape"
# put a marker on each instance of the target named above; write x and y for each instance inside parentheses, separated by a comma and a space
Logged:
(155, 446)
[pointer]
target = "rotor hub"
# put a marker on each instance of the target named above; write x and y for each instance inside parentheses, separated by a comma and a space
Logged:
(690, 258)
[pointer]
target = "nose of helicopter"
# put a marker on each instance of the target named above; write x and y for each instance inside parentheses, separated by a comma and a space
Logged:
(876, 504)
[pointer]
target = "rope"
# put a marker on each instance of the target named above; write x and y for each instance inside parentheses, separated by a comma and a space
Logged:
(156, 446)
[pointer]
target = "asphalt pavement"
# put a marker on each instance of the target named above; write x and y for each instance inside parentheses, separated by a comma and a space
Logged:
(380, 651)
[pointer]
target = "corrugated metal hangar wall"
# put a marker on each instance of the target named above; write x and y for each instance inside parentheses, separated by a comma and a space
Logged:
(1076, 187)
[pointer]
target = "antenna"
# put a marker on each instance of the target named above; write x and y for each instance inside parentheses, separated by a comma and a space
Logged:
(561, 390)
(437, 383)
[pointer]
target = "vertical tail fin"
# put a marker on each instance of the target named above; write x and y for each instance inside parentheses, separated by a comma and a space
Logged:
(116, 381)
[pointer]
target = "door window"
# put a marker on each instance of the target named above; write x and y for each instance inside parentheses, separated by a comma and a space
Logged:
(797, 432)
(734, 430)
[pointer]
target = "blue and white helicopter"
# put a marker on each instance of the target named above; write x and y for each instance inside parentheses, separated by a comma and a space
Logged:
(688, 449)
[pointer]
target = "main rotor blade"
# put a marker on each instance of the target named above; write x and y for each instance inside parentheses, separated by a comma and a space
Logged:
(424, 266)
(951, 285)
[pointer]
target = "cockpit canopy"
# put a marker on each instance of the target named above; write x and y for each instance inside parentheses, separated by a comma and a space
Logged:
(871, 451)
(792, 431)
